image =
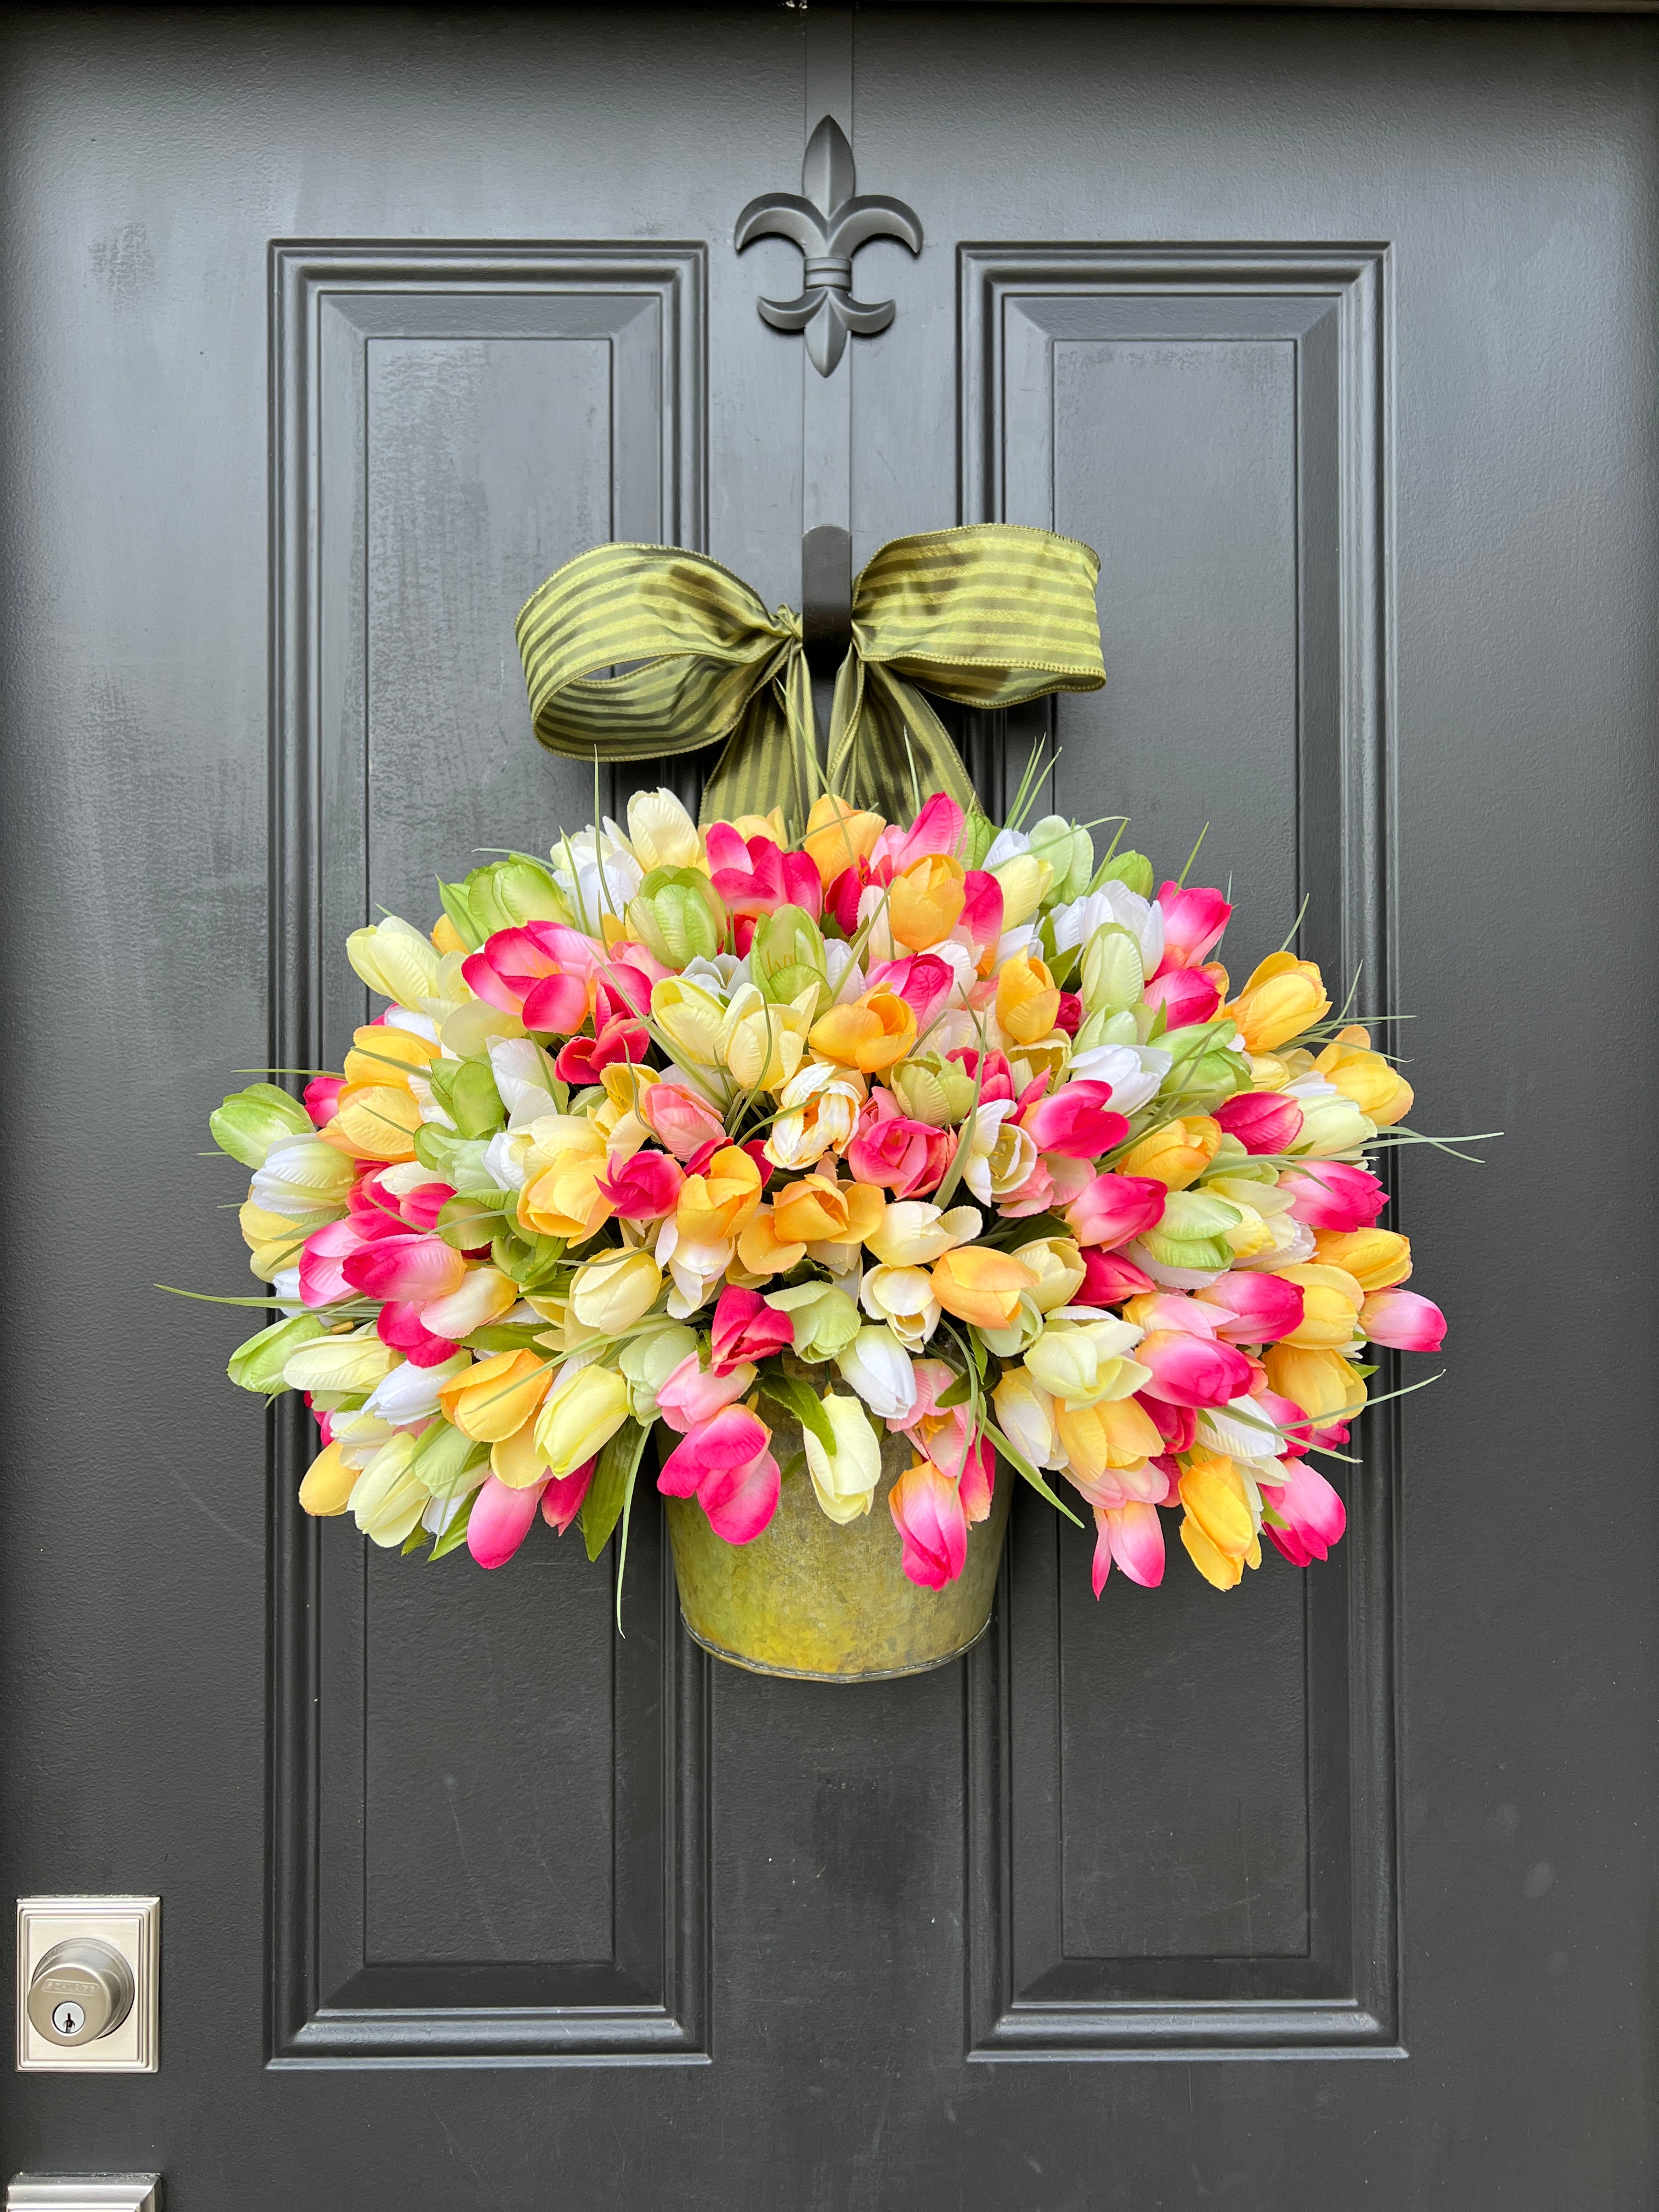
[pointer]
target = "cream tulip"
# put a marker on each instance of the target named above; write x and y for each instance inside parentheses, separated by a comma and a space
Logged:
(845, 1479)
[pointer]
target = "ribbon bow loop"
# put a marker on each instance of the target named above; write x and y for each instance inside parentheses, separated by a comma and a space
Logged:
(987, 616)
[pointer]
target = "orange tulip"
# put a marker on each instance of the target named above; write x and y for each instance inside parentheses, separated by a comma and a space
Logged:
(1382, 1095)
(925, 904)
(561, 1195)
(494, 1398)
(1027, 1000)
(819, 1211)
(1284, 997)
(1377, 1259)
(870, 1035)
(714, 1206)
(1175, 1155)
(380, 1053)
(763, 1251)
(979, 1286)
(838, 836)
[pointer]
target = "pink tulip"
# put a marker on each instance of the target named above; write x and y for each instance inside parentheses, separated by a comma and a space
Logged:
(922, 980)
(746, 1329)
(1192, 1371)
(1295, 1431)
(322, 1261)
(981, 919)
(1253, 1308)
(841, 899)
(1068, 1015)
(1330, 1194)
(998, 1081)
(1262, 1120)
(1403, 1321)
(1108, 1279)
(727, 1466)
(406, 1267)
(756, 878)
(1194, 922)
(1176, 1310)
(500, 1520)
(399, 1324)
(1132, 1535)
(644, 1188)
(1314, 1515)
(322, 1097)
(907, 1157)
(618, 1034)
(1075, 1122)
(1035, 1196)
(519, 970)
(628, 951)
(678, 1119)
(937, 829)
(927, 1512)
(1186, 994)
(977, 1481)
(1177, 1424)
(1115, 1208)
(561, 1500)
(691, 1396)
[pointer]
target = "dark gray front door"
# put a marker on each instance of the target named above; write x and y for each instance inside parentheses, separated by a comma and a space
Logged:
(326, 336)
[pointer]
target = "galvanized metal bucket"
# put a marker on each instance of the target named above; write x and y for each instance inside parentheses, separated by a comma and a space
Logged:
(825, 1603)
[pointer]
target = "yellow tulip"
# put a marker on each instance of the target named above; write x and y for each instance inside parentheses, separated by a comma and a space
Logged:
(1284, 997)
(904, 1298)
(821, 1106)
(761, 1042)
(1377, 1259)
(1331, 1300)
(1025, 881)
(496, 1397)
(925, 904)
(915, 1233)
(517, 1460)
(1058, 1266)
(380, 1053)
(580, 1415)
(770, 825)
(1218, 1531)
(374, 1122)
(979, 1286)
(1175, 1155)
(614, 1289)
(714, 1206)
(869, 1035)
(393, 959)
(690, 1018)
(1380, 1092)
(329, 1483)
(1114, 1432)
(844, 1479)
(762, 1251)
(561, 1195)
(1027, 1000)
(388, 1499)
(817, 1210)
(838, 836)
(1320, 1381)
(274, 1241)
(661, 832)
(351, 1364)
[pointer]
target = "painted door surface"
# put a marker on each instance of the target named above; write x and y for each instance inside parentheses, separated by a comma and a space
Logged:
(327, 336)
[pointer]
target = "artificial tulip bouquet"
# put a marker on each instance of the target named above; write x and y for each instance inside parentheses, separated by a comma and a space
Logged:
(919, 1129)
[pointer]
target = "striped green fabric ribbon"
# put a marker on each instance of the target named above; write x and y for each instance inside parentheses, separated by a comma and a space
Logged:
(987, 615)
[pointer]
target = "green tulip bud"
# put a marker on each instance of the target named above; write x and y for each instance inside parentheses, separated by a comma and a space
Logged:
(1070, 852)
(1132, 869)
(1192, 1232)
(1203, 1071)
(466, 1089)
(446, 1461)
(826, 1319)
(678, 916)
(251, 1122)
(259, 1363)
(787, 955)
(932, 1089)
(648, 1361)
(1113, 977)
(979, 834)
(1021, 1334)
(503, 895)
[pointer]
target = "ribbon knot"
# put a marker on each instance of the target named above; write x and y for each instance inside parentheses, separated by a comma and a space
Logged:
(988, 616)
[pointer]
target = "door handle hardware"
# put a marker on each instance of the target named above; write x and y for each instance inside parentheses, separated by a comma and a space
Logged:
(87, 1984)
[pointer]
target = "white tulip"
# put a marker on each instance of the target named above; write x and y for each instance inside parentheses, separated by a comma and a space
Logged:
(879, 1369)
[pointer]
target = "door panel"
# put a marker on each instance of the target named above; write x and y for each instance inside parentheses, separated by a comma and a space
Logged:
(328, 337)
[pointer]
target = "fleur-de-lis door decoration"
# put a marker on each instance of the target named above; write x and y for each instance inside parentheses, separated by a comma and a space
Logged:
(829, 223)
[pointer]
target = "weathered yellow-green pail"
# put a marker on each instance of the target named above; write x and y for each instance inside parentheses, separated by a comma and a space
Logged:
(827, 1603)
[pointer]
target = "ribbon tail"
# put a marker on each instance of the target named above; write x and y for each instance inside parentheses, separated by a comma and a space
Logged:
(768, 760)
(890, 729)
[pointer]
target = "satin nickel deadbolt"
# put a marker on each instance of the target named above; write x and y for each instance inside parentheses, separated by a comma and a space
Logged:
(86, 1983)
(81, 1991)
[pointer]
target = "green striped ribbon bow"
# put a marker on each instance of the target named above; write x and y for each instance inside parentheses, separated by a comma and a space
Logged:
(988, 616)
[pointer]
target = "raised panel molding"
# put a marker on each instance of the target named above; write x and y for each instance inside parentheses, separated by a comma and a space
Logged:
(1329, 1984)
(334, 1999)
